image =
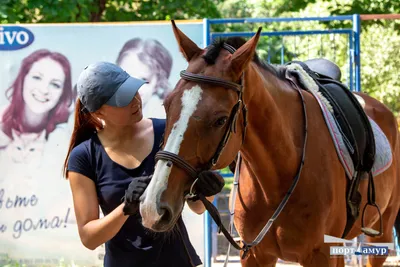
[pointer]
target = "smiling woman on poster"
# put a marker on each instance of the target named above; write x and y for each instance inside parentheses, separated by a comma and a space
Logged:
(40, 97)
(148, 60)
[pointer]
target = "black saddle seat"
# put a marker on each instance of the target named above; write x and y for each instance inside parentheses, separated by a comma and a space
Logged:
(324, 67)
(356, 131)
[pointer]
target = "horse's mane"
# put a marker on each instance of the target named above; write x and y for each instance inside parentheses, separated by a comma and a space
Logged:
(214, 49)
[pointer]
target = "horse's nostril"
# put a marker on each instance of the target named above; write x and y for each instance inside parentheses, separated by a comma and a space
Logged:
(166, 214)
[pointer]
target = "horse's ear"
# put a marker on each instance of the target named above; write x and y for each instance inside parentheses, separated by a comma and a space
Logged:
(242, 57)
(187, 47)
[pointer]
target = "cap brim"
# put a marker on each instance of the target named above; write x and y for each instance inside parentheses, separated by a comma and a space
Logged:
(126, 92)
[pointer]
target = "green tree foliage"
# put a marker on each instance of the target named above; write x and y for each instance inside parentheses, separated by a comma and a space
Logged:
(379, 45)
(380, 61)
(51, 11)
(379, 39)
(346, 7)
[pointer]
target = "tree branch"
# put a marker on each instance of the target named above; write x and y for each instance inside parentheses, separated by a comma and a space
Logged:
(96, 16)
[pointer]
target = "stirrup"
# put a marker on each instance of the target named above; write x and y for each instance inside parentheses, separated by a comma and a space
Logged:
(367, 230)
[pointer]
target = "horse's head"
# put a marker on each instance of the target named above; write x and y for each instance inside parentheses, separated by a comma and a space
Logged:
(205, 125)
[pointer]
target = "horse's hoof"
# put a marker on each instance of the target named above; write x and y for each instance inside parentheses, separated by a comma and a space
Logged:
(370, 232)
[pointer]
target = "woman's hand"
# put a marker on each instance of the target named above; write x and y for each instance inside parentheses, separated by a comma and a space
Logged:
(209, 183)
(197, 206)
(133, 193)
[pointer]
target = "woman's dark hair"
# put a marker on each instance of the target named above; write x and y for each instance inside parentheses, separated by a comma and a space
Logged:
(84, 126)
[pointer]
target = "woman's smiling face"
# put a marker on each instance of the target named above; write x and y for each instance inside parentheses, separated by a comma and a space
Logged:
(43, 85)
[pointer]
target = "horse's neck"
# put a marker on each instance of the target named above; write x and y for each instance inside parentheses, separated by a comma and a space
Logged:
(273, 143)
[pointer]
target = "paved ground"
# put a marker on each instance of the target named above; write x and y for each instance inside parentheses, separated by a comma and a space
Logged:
(238, 265)
(390, 262)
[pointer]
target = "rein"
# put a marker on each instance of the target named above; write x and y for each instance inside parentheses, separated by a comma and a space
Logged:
(195, 174)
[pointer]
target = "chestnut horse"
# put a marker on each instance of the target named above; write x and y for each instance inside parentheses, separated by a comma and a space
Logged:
(198, 116)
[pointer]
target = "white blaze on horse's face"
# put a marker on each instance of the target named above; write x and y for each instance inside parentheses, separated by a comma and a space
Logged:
(150, 209)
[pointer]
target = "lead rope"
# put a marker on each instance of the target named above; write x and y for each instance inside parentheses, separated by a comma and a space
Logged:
(233, 203)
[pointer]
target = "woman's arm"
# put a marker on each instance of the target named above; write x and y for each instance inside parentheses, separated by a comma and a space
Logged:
(197, 206)
(92, 230)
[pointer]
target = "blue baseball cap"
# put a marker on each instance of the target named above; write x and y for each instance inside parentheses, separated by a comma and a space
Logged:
(106, 83)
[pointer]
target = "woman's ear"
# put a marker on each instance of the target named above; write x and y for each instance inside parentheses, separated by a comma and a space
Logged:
(99, 115)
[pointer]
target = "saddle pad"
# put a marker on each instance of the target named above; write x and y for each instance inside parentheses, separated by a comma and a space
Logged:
(383, 154)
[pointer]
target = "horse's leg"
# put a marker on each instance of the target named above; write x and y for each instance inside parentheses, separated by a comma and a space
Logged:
(340, 262)
(388, 219)
(266, 261)
(321, 258)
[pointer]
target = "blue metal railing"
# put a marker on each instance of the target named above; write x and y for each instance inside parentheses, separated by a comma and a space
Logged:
(264, 20)
(353, 37)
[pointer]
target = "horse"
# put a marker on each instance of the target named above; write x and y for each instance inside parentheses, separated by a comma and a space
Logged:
(207, 126)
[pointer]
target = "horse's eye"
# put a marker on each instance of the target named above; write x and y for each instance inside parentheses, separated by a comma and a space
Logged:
(220, 122)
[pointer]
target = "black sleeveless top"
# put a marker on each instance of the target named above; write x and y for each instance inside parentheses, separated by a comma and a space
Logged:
(133, 245)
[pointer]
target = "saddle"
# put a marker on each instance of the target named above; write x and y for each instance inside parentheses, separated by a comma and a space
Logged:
(324, 68)
(356, 131)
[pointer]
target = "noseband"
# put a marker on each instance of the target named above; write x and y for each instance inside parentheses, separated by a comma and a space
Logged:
(238, 88)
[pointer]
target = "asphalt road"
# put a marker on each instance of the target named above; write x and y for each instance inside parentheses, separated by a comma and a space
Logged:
(390, 262)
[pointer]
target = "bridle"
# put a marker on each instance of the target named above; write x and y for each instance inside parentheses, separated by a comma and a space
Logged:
(232, 120)
(196, 174)
(231, 128)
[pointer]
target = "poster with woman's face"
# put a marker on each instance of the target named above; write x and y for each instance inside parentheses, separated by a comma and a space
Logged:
(40, 66)
(149, 60)
(43, 85)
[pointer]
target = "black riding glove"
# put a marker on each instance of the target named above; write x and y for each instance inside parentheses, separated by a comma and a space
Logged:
(132, 194)
(209, 183)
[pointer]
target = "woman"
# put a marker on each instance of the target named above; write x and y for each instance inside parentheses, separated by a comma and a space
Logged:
(148, 60)
(110, 158)
(40, 96)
